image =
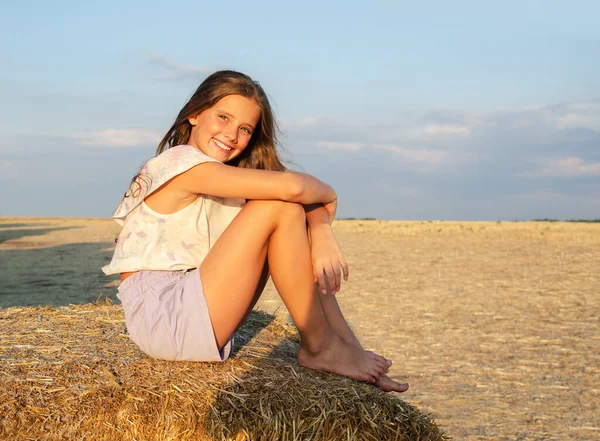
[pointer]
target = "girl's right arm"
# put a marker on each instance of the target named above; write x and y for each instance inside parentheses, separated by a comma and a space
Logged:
(232, 182)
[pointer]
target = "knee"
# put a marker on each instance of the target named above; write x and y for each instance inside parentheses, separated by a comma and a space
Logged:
(282, 209)
(293, 210)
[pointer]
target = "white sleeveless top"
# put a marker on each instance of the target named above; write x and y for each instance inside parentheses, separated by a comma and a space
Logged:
(177, 241)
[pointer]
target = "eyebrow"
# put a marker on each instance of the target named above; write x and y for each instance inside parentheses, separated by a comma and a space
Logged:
(229, 114)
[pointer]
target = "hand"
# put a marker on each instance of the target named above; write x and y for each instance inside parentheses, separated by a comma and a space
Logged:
(327, 259)
(331, 208)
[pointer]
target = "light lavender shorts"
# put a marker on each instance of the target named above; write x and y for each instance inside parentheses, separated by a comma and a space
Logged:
(167, 316)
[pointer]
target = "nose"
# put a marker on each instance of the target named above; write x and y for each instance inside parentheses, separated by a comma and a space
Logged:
(231, 133)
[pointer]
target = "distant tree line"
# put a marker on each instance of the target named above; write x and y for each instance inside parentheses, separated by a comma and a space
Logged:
(514, 220)
(568, 220)
(357, 218)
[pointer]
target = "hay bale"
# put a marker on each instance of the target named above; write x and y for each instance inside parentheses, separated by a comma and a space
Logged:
(72, 373)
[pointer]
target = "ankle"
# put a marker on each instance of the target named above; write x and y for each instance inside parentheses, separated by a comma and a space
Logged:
(317, 344)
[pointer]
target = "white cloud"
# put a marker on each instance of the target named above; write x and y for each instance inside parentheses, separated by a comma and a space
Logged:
(537, 123)
(118, 137)
(440, 132)
(424, 156)
(175, 71)
(581, 114)
(446, 129)
(309, 121)
(352, 146)
(572, 166)
(442, 135)
(428, 157)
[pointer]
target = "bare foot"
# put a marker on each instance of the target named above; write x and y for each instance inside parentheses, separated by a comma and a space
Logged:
(341, 358)
(386, 384)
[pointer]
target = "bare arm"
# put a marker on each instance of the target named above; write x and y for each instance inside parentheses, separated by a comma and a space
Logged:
(317, 216)
(329, 264)
(232, 182)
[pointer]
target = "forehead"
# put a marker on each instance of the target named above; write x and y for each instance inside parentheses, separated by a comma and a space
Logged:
(244, 109)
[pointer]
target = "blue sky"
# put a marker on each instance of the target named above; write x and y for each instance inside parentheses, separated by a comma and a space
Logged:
(467, 110)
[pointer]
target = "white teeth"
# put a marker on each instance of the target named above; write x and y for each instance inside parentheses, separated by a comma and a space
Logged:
(221, 145)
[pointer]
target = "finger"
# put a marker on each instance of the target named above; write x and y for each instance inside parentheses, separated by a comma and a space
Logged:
(344, 265)
(321, 282)
(331, 279)
(338, 277)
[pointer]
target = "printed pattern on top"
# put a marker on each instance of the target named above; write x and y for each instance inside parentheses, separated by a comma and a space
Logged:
(176, 241)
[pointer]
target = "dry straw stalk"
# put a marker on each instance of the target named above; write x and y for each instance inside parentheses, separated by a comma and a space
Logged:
(72, 373)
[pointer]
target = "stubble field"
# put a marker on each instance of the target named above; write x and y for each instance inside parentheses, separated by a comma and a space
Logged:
(494, 325)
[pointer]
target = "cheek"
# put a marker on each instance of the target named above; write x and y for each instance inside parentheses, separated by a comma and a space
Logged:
(246, 140)
(211, 127)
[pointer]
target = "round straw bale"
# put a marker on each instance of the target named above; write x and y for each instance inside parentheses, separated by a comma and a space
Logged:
(72, 373)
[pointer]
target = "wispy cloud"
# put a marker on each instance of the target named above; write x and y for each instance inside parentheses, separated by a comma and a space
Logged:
(117, 137)
(430, 157)
(309, 121)
(176, 72)
(572, 166)
(332, 145)
(541, 140)
(584, 114)
(425, 159)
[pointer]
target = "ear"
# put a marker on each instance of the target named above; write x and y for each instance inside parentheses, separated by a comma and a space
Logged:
(193, 120)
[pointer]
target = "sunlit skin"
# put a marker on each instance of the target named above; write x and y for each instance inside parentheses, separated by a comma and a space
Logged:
(272, 230)
(228, 124)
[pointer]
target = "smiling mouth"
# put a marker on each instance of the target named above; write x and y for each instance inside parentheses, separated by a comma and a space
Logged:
(221, 145)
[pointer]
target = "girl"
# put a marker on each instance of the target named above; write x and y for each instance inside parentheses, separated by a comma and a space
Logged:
(194, 256)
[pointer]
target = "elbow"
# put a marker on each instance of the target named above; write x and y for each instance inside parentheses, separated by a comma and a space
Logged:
(294, 189)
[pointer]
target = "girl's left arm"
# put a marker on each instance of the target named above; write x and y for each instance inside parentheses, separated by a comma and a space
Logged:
(327, 258)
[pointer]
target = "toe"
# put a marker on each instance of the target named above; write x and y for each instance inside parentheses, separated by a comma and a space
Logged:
(380, 359)
(369, 378)
(401, 387)
(381, 364)
(376, 373)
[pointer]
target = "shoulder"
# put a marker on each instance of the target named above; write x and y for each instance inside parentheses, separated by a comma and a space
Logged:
(174, 161)
(156, 172)
(181, 154)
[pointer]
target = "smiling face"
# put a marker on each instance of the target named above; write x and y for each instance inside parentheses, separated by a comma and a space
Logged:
(224, 130)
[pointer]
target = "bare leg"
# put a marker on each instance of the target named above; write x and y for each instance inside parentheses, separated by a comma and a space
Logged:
(262, 282)
(338, 323)
(336, 318)
(232, 269)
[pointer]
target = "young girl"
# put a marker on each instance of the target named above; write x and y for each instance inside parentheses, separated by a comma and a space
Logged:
(206, 222)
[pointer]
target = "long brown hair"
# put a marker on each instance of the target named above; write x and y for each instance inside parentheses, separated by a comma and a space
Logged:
(261, 152)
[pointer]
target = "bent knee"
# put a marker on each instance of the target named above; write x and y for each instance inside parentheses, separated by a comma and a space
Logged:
(281, 208)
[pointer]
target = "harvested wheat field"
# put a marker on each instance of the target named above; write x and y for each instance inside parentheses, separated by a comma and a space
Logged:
(494, 325)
